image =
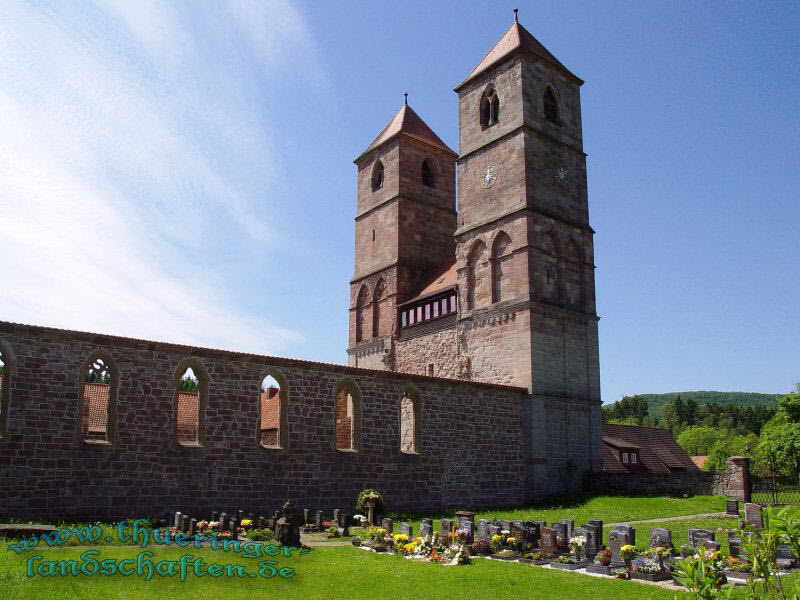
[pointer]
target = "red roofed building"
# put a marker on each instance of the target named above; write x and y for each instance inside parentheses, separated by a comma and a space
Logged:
(632, 449)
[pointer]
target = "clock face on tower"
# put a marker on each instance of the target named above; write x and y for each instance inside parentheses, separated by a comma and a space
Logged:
(489, 176)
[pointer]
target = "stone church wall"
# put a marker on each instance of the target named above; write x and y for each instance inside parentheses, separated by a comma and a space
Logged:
(470, 443)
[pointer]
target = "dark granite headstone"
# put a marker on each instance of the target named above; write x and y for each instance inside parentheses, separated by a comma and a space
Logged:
(570, 527)
(505, 524)
(732, 507)
(223, 521)
(319, 519)
(215, 516)
(306, 514)
(621, 535)
(483, 530)
(599, 525)
(467, 531)
(517, 531)
(734, 544)
(784, 551)
(696, 536)
(406, 529)
(336, 516)
(660, 537)
(388, 525)
(592, 540)
(532, 532)
(192, 526)
(494, 530)
(465, 514)
(234, 528)
(287, 528)
(561, 535)
(548, 542)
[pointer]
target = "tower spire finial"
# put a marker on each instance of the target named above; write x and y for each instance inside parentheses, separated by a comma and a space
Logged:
(516, 16)
(405, 98)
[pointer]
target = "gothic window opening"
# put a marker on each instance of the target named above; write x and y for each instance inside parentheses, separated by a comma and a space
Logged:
(348, 416)
(501, 255)
(410, 421)
(377, 296)
(97, 398)
(490, 107)
(272, 412)
(477, 295)
(362, 302)
(377, 176)
(428, 178)
(190, 396)
(550, 106)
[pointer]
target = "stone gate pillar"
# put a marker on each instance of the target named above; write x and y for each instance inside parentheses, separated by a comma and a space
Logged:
(738, 477)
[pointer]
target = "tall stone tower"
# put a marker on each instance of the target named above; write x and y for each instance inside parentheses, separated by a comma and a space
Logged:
(405, 220)
(524, 250)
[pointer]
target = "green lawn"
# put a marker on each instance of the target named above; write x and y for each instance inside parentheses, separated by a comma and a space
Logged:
(344, 572)
(582, 508)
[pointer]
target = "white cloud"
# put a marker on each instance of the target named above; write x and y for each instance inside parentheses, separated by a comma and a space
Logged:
(113, 172)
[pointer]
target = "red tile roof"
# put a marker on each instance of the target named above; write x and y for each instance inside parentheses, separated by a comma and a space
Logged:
(517, 38)
(439, 278)
(270, 405)
(407, 122)
(95, 408)
(187, 429)
(658, 450)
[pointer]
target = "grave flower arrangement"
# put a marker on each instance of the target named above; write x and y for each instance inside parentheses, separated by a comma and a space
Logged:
(577, 544)
(564, 560)
(659, 554)
(646, 565)
(603, 557)
(628, 553)
(480, 547)
(738, 565)
(505, 541)
(246, 523)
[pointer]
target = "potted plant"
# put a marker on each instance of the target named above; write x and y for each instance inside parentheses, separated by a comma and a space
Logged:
(565, 562)
(577, 544)
(604, 557)
(628, 553)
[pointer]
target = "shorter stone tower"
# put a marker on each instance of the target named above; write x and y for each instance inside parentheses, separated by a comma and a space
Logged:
(405, 221)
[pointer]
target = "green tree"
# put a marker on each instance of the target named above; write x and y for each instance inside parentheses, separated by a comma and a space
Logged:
(698, 440)
(727, 446)
(779, 445)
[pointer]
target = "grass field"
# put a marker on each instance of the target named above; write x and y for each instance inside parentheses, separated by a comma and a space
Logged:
(609, 509)
(350, 573)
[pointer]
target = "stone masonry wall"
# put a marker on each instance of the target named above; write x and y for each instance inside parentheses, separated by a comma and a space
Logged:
(470, 451)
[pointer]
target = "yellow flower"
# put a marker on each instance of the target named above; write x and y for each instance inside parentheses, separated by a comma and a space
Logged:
(511, 541)
(400, 537)
(497, 538)
(246, 522)
(409, 547)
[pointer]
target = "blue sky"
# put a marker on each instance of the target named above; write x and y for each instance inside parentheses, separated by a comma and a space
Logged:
(183, 171)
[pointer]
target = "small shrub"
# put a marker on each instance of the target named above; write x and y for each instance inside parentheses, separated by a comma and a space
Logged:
(259, 535)
(368, 494)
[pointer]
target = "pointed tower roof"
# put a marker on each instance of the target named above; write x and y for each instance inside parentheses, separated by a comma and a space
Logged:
(407, 122)
(517, 38)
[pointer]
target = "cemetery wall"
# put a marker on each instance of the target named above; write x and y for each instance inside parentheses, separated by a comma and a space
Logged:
(682, 482)
(470, 453)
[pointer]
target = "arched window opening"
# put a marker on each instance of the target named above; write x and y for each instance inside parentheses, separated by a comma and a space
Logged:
(348, 416)
(501, 255)
(361, 312)
(550, 106)
(97, 396)
(5, 390)
(377, 296)
(490, 107)
(272, 413)
(377, 176)
(428, 177)
(188, 407)
(476, 277)
(410, 422)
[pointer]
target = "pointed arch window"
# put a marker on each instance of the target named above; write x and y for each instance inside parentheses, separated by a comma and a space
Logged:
(191, 393)
(501, 255)
(377, 176)
(410, 421)
(6, 375)
(273, 416)
(348, 416)
(99, 384)
(428, 176)
(490, 107)
(362, 301)
(377, 296)
(550, 106)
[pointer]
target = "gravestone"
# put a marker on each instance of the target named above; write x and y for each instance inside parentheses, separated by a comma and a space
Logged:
(467, 530)
(532, 532)
(732, 507)
(583, 532)
(336, 516)
(517, 531)
(753, 516)
(234, 528)
(177, 522)
(621, 535)
(388, 525)
(505, 524)
(240, 515)
(660, 537)
(599, 525)
(698, 536)
(446, 528)
(483, 530)
(287, 528)
(344, 524)
(734, 544)
(319, 519)
(193, 527)
(592, 540)
(548, 543)
(784, 551)
(561, 535)
(425, 528)
(465, 514)
(406, 529)
(494, 530)
(215, 516)
(306, 513)
(570, 527)
(223, 522)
